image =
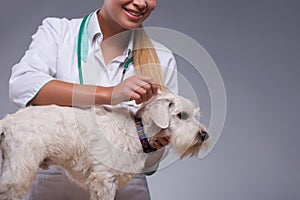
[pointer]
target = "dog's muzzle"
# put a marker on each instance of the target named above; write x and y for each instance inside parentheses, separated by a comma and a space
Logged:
(203, 135)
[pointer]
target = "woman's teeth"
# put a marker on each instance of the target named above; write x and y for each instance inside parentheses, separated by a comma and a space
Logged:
(134, 13)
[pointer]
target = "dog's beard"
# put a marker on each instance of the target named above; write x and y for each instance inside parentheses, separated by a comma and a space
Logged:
(191, 151)
(195, 149)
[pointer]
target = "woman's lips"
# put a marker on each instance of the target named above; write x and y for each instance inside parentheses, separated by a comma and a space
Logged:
(134, 14)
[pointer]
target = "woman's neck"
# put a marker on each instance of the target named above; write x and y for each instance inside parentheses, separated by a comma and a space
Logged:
(108, 26)
(115, 38)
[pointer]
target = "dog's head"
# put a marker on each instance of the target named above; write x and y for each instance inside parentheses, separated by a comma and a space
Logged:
(178, 115)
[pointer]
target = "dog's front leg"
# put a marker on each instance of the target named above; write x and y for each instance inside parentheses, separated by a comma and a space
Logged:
(102, 186)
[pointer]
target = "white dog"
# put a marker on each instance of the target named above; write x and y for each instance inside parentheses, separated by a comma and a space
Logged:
(99, 147)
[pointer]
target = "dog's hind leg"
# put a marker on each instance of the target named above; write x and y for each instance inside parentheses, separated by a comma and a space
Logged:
(13, 184)
(15, 181)
(18, 172)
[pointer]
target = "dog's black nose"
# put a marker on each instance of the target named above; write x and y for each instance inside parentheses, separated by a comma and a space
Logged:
(203, 135)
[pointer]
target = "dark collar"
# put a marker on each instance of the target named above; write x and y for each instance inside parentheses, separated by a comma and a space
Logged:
(147, 148)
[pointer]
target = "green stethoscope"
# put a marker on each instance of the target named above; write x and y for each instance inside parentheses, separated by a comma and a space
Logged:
(83, 47)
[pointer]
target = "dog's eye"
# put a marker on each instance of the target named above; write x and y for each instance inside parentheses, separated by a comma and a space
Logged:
(183, 115)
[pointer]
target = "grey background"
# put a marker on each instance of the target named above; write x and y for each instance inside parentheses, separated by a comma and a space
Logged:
(256, 46)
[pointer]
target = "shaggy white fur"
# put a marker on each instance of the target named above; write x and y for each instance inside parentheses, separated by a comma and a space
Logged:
(98, 146)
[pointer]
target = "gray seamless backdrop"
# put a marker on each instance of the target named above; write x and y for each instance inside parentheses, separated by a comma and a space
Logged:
(256, 47)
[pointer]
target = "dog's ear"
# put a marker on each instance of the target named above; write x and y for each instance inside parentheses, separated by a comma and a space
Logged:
(159, 113)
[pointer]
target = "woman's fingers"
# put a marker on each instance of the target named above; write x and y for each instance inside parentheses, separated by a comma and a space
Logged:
(160, 143)
(162, 139)
(138, 88)
(144, 88)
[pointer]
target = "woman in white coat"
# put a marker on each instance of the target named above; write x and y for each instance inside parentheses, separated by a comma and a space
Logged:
(55, 71)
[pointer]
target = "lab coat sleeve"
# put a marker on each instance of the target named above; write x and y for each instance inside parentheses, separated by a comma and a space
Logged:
(38, 66)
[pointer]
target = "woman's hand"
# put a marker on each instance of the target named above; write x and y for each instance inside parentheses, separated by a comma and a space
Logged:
(161, 140)
(138, 88)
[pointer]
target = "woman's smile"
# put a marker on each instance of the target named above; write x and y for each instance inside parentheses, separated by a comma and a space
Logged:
(134, 14)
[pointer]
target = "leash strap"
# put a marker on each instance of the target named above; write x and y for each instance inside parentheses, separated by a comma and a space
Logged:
(147, 148)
